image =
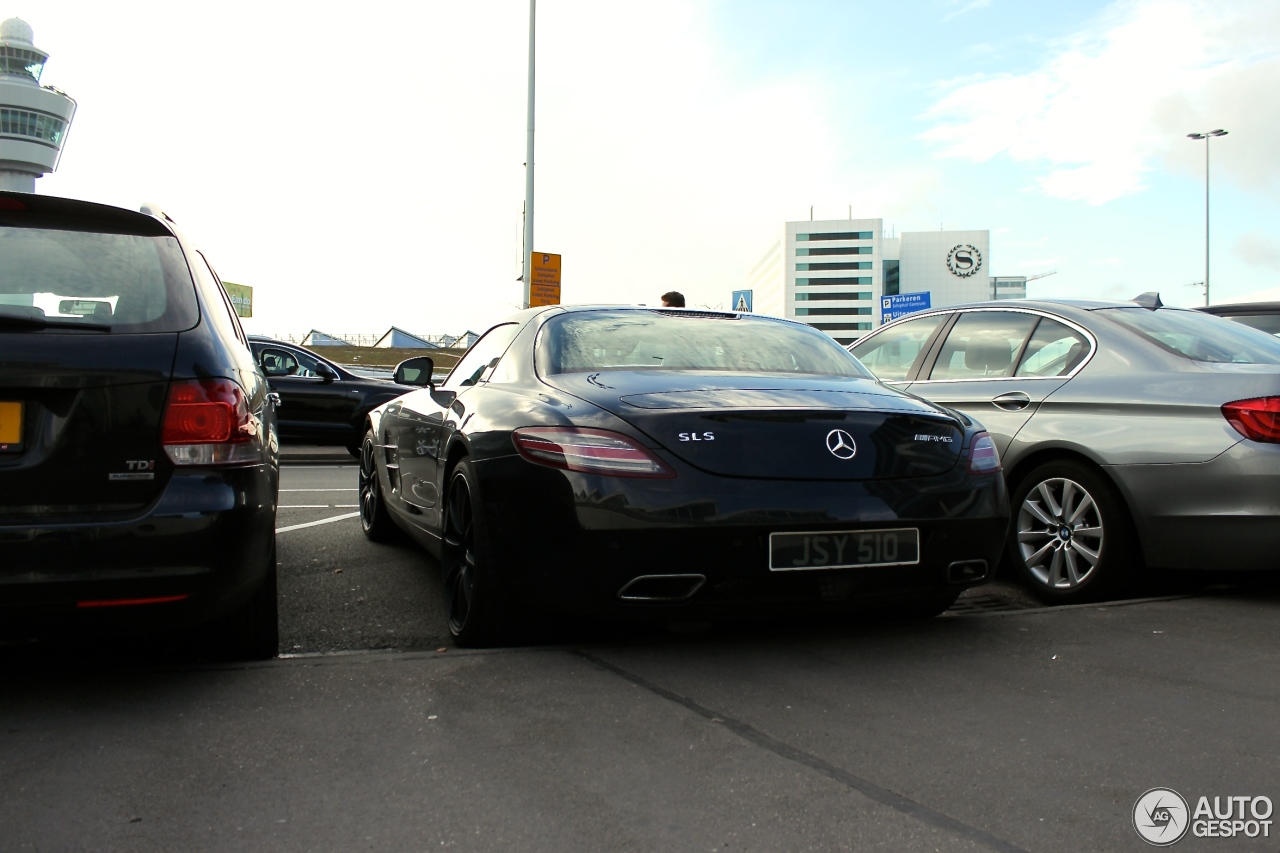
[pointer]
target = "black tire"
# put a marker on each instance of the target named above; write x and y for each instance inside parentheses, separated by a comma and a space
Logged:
(354, 450)
(253, 631)
(1071, 539)
(475, 604)
(375, 520)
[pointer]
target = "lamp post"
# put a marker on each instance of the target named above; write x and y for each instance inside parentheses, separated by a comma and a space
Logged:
(528, 169)
(1206, 136)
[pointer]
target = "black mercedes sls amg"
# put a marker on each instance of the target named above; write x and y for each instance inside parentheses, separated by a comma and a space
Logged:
(677, 464)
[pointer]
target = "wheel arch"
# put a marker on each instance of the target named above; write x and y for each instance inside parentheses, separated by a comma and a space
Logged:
(1031, 461)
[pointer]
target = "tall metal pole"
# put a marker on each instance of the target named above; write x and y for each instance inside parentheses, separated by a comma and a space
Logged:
(528, 168)
(1206, 220)
(1206, 136)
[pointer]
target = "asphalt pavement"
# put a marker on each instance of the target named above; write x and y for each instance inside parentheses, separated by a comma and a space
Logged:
(1001, 726)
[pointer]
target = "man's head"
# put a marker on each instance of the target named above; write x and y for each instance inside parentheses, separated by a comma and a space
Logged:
(673, 299)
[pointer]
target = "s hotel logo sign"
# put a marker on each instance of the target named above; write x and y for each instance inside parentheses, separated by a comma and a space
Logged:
(964, 260)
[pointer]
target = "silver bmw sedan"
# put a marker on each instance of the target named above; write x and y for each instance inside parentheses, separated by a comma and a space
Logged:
(1132, 434)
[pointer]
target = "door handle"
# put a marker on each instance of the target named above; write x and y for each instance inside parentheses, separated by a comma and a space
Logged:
(274, 398)
(1013, 401)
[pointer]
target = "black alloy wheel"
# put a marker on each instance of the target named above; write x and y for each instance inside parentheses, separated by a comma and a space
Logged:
(375, 521)
(1071, 540)
(474, 606)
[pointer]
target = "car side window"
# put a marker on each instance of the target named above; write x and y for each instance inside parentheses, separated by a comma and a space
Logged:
(476, 364)
(283, 362)
(278, 362)
(892, 354)
(234, 318)
(1054, 350)
(982, 345)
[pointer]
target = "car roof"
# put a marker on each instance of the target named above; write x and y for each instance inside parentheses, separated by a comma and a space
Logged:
(1243, 308)
(1054, 304)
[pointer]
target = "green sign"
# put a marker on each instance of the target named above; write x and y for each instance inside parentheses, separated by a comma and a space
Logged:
(241, 296)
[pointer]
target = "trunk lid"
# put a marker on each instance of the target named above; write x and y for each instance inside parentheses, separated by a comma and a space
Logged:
(778, 427)
(91, 407)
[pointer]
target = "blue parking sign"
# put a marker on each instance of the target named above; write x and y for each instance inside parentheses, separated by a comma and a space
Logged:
(902, 304)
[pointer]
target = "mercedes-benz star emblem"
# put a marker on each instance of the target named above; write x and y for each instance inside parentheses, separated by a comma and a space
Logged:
(841, 444)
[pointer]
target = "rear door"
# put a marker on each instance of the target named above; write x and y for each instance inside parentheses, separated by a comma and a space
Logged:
(999, 365)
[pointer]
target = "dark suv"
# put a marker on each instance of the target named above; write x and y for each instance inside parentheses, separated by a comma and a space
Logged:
(139, 465)
(320, 402)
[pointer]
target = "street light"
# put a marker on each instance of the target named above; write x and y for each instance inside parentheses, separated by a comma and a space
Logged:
(1206, 136)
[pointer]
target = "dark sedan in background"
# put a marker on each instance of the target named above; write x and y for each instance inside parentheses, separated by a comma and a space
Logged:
(138, 459)
(320, 402)
(1260, 315)
(661, 463)
(1130, 432)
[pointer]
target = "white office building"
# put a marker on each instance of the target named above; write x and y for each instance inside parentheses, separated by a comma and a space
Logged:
(34, 119)
(846, 277)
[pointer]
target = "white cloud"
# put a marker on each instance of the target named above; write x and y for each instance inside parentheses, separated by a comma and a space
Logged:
(1109, 103)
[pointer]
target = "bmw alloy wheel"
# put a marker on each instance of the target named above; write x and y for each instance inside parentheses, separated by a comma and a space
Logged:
(1060, 534)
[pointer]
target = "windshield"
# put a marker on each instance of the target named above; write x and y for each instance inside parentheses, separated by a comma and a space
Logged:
(1199, 337)
(127, 282)
(653, 340)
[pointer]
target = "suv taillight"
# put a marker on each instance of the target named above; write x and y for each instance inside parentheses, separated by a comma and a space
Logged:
(591, 451)
(208, 422)
(1257, 419)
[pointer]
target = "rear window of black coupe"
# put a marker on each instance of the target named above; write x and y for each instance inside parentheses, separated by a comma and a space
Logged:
(653, 340)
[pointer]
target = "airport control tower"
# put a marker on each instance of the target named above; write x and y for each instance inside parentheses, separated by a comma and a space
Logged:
(34, 119)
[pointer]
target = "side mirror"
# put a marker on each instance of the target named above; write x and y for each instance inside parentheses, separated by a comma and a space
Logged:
(327, 373)
(277, 363)
(415, 371)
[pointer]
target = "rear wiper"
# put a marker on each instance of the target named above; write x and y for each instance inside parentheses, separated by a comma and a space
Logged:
(34, 318)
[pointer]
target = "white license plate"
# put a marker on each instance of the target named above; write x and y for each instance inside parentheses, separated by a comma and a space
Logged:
(843, 549)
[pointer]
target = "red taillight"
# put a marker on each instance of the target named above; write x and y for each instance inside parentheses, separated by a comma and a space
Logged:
(1257, 419)
(208, 422)
(983, 458)
(591, 451)
(131, 602)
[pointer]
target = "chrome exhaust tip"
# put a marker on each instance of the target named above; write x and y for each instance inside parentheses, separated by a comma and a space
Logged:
(966, 571)
(661, 587)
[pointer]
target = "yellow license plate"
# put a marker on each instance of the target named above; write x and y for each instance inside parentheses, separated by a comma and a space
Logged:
(10, 423)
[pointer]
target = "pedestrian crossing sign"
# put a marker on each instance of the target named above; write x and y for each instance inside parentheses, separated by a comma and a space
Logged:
(742, 301)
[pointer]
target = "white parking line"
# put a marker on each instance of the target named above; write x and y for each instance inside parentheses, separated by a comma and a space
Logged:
(315, 523)
(353, 489)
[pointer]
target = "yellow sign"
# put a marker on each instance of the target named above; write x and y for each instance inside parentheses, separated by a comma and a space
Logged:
(544, 279)
(241, 296)
(10, 424)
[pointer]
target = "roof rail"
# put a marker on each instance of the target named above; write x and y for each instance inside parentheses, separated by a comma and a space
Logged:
(154, 210)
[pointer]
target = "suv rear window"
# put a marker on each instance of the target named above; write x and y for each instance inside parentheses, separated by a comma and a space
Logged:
(129, 282)
(1199, 337)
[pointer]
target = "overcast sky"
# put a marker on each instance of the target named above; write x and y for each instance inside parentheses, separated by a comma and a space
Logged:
(361, 166)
